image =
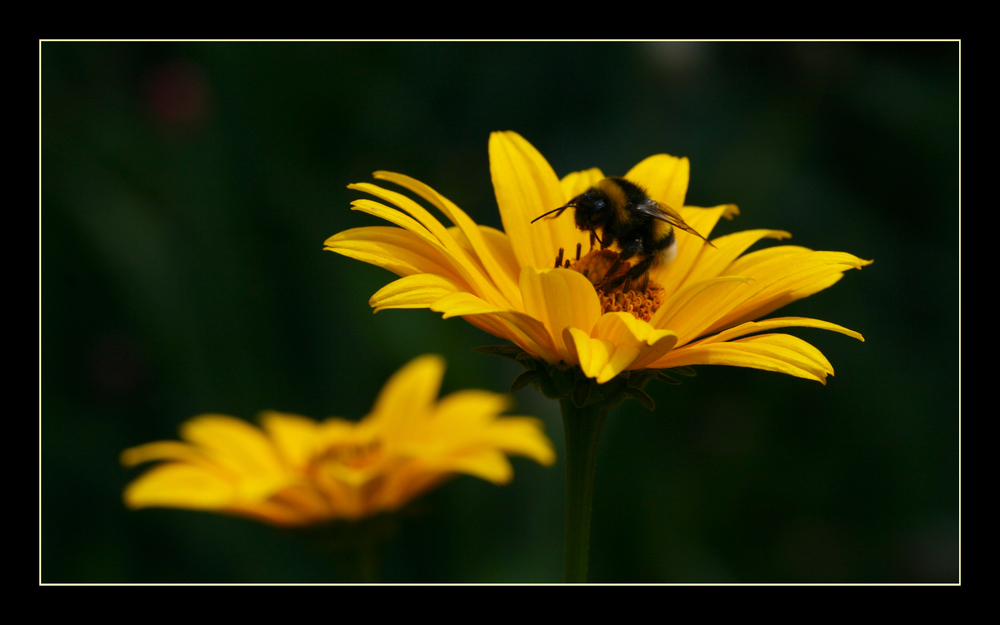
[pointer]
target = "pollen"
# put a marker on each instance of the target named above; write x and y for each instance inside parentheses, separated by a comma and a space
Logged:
(596, 264)
(642, 304)
(352, 455)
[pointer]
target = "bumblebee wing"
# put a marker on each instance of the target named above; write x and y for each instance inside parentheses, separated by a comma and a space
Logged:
(667, 214)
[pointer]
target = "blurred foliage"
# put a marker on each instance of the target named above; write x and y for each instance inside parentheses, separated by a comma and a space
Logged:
(186, 191)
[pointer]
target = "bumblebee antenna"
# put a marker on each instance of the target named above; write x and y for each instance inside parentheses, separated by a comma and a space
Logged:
(554, 210)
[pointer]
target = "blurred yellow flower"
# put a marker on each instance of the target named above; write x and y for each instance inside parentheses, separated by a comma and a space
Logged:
(297, 471)
(700, 307)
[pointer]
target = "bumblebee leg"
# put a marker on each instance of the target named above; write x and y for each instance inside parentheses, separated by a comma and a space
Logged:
(611, 286)
(628, 252)
(625, 254)
(636, 278)
(612, 270)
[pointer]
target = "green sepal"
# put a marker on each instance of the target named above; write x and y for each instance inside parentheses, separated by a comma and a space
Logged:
(685, 371)
(525, 379)
(569, 383)
(642, 398)
(506, 351)
(564, 382)
(663, 377)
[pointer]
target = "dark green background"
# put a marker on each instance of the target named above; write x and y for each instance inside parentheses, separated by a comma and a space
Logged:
(187, 189)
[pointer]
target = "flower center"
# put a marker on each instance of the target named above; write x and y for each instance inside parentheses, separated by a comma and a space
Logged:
(627, 295)
(351, 455)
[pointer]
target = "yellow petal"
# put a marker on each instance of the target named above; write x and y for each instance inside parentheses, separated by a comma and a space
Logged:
(335, 431)
(416, 211)
(162, 450)
(488, 464)
(398, 250)
(526, 332)
(417, 291)
(295, 437)
(482, 250)
(757, 260)
(526, 187)
(411, 390)
(772, 352)
(560, 298)
(624, 355)
(234, 444)
(715, 261)
(685, 311)
(503, 251)
(689, 247)
(778, 282)
(434, 234)
(521, 328)
(664, 177)
(579, 181)
(178, 485)
(522, 436)
(649, 343)
(592, 354)
(752, 327)
(619, 342)
(461, 304)
(467, 411)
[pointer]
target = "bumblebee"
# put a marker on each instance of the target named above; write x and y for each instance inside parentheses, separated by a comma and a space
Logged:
(638, 226)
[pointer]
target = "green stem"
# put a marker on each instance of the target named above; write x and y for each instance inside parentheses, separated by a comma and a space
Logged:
(583, 427)
(360, 565)
(354, 545)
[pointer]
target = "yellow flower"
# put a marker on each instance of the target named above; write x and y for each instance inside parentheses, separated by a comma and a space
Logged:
(298, 471)
(699, 310)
